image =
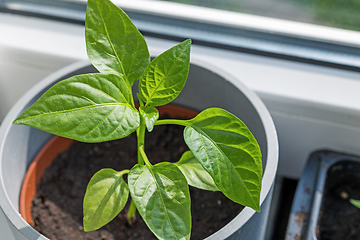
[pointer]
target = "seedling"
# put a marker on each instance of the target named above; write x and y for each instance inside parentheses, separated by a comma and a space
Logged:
(224, 155)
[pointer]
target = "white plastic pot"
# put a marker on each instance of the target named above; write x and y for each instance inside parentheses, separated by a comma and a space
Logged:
(207, 86)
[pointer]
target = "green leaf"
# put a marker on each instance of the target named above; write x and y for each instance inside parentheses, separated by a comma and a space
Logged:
(166, 75)
(195, 174)
(150, 114)
(89, 108)
(106, 195)
(229, 153)
(113, 42)
(356, 203)
(161, 195)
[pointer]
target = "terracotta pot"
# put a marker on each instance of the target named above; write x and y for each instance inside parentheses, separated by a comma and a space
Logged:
(56, 145)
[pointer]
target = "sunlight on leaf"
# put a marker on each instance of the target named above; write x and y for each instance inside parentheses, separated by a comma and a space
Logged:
(89, 108)
(113, 43)
(166, 75)
(194, 172)
(106, 195)
(161, 195)
(229, 153)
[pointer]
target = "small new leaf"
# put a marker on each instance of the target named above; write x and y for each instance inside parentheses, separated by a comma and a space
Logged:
(229, 153)
(356, 203)
(113, 43)
(161, 195)
(106, 195)
(194, 172)
(166, 75)
(150, 114)
(88, 108)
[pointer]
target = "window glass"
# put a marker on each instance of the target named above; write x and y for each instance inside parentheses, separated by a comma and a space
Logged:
(334, 13)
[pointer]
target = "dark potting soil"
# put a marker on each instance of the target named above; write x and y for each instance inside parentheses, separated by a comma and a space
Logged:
(57, 206)
(339, 219)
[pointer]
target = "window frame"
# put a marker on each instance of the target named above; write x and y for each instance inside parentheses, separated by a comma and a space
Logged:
(240, 32)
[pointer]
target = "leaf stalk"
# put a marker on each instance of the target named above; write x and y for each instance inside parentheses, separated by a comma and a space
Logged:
(172, 121)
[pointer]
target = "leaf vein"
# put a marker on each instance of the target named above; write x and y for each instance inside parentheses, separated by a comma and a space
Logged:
(109, 39)
(224, 155)
(162, 201)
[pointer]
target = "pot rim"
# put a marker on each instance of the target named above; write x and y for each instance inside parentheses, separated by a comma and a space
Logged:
(271, 138)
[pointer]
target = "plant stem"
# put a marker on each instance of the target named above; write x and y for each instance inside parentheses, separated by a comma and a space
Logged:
(131, 213)
(144, 157)
(141, 138)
